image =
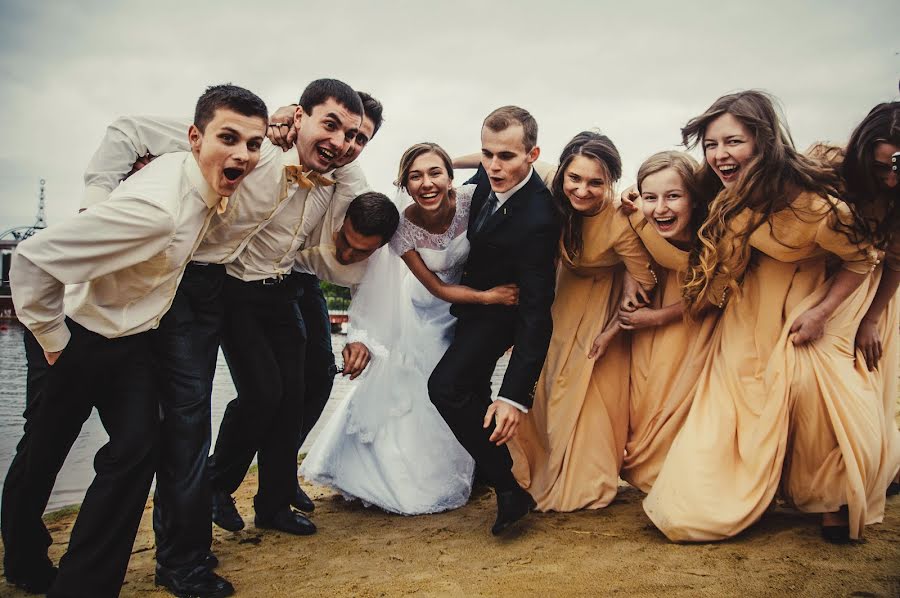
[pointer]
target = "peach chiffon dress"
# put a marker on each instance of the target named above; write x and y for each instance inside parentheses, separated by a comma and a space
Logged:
(767, 413)
(666, 362)
(570, 447)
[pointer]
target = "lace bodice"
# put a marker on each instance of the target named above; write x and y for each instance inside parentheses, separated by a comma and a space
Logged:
(411, 236)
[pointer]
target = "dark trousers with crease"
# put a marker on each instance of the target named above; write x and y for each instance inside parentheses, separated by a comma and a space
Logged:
(264, 341)
(460, 388)
(187, 345)
(320, 367)
(118, 377)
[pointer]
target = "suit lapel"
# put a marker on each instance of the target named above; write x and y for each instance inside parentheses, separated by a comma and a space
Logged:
(504, 212)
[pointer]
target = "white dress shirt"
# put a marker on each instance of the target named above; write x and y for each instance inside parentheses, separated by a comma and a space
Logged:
(124, 257)
(264, 199)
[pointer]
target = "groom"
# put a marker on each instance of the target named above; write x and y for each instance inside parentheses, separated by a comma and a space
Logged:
(513, 231)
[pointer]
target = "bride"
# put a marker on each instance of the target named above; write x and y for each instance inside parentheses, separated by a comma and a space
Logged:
(386, 444)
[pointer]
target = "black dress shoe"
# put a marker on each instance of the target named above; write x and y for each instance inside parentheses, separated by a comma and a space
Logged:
(225, 514)
(512, 505)
(893, 489)
(198, 582)
(302, 501)
(286, 520)
(211, 561)
(34, 583)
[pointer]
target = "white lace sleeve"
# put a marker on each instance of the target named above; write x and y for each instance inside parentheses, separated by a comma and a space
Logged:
(464, 201)
(405, 237)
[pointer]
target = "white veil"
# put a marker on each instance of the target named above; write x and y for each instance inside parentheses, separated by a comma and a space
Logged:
(378, 310)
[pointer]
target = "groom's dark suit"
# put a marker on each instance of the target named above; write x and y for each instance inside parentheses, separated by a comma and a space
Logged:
(516, 245)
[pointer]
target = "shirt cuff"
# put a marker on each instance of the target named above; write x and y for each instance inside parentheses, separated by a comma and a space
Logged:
(93, 195)
(518, 406)
(55, 340)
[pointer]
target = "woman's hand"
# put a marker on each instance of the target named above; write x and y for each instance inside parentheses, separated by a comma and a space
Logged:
(602, 341)
(808, 327)
(627, 199)
(643, 317)
(868, 340)
(633, 294)
(281, 131)
(506, 294)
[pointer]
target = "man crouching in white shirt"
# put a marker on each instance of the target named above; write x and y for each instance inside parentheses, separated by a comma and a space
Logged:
(125, 258)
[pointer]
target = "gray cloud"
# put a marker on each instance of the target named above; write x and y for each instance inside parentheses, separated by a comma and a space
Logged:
(636, 71)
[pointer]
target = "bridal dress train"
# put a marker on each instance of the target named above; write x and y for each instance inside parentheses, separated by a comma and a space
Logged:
(386, 444)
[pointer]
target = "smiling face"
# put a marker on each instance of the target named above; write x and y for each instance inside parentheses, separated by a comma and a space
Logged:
(351, 246)
(887, 178)
(325, 135)
(505, 157)
(228, 149)
(667, 205)
(586, 185)
(728, 146)
(359, 143)
(428, 182)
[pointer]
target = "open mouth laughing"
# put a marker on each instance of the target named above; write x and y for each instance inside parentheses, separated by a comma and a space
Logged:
(728, 172)
(666, 224)
(233, 174)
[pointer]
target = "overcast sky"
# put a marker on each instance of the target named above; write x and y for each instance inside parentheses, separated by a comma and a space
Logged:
(636, 70)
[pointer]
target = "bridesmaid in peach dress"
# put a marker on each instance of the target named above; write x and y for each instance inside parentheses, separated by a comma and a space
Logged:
(781, 400)
(871, 185)
(569, 448)
(667, 351)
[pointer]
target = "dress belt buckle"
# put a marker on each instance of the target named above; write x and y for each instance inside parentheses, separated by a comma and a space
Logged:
(268, 282)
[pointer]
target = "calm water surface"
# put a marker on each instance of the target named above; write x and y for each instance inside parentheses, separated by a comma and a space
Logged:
(78, 470)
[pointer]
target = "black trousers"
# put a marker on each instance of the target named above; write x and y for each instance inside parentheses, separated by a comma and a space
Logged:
(187, 345)
(460, 388)
(264, 341)
(117, 376)
(320, 368)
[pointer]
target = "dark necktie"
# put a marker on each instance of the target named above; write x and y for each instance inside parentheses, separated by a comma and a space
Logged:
(490, 204)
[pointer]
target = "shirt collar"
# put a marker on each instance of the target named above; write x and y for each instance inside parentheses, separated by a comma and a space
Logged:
(502, 197)
(193, 174)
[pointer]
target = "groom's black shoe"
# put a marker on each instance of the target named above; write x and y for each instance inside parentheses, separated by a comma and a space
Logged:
(33, 583)
(302, 501)
(225, 514)
(512, 505)
(198, 582)
(286, 520)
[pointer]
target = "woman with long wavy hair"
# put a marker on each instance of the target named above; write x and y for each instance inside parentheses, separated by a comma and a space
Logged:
(781, 401)
(569, 448)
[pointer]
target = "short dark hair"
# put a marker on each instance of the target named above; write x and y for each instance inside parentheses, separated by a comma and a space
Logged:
(507, 116)
(373, 109)
(230, 97)
(372, 213)
(318, 92)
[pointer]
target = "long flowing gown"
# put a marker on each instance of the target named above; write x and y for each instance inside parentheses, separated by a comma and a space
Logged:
(386, 444)
(569, 448)
(766, 412)
(666, 362)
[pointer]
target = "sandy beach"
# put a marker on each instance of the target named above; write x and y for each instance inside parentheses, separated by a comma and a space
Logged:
(615, 551)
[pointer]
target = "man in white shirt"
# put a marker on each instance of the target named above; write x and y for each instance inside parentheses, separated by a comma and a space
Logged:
(254, 241)
(123, 260)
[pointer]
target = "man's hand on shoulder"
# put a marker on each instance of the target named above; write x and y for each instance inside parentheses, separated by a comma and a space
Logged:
(506, 418)
(356, 358)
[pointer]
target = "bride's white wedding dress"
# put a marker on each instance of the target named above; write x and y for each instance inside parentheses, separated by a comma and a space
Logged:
(386, 444)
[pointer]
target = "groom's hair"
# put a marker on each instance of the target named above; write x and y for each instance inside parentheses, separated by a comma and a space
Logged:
(507, 116)
(230, 97)
(320, 90)
(373, 214)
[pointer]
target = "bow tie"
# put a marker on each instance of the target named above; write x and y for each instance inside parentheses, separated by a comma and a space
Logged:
(295, 175)
(222, 206)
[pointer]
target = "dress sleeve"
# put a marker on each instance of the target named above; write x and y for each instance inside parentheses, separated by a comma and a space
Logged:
(856, 257)
(405, 238)
(628, 246)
